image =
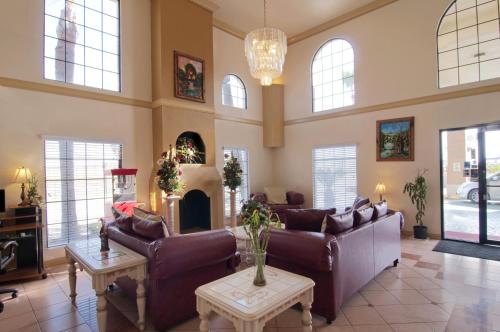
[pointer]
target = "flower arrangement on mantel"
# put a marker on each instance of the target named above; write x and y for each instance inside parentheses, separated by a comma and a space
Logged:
(257, 222)
(169, 173)
(187, 152)
(232, 179)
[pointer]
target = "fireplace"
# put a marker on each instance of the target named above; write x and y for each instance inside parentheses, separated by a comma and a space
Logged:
(194, 212)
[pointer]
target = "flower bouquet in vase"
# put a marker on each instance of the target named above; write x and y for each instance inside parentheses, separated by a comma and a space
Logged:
(257, 223)
(169, 181)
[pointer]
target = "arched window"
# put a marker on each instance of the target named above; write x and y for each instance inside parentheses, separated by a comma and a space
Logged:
(468, 41)
(333, 76)
(234, 93)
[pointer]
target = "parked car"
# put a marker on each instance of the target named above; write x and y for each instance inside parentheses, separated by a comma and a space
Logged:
(470, 190)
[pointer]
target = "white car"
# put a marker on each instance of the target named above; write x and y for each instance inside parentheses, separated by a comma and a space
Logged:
(470, 191)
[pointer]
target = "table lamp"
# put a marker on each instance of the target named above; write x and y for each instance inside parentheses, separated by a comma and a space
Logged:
(22, 176)
(380, 189)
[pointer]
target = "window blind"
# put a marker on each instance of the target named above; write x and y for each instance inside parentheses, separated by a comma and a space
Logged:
(78, 188)
(334, 177)
(242, 192)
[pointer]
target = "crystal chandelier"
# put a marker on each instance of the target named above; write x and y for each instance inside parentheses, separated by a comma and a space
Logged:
(265, 49)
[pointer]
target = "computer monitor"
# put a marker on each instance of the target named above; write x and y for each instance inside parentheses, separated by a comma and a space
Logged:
(2, 200)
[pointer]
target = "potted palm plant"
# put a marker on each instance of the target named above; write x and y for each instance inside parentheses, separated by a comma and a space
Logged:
(417, 191)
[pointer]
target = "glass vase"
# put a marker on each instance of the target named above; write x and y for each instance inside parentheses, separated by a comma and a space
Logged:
(260, 262)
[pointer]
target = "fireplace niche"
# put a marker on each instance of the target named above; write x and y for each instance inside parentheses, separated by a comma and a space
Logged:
(194, 212)
(190, 148)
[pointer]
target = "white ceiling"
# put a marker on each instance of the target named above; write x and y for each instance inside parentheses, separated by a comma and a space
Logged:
(291, 16)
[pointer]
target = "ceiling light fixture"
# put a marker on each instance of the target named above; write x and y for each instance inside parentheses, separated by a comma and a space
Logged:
(265, 49)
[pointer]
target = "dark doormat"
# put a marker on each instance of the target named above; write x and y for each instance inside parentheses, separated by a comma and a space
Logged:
(469, 249)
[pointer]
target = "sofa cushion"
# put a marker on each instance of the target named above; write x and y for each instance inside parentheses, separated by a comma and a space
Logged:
(363, 215)
(152, 230)
(154, 217)
(275, 195)
(359, 202)
(381, 210)
(339, 223)
(122, 219)
(306, 219)
(294, 198)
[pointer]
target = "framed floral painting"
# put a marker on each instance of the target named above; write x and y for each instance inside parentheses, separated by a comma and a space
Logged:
(189, 76)
(396, 139)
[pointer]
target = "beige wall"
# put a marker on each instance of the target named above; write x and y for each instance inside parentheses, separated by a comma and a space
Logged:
(229, 58)
(26, 117)
(395, 59)
(21, 49)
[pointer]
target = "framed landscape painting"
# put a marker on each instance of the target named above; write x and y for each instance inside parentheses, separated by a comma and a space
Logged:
(189, 77)
(396, 139)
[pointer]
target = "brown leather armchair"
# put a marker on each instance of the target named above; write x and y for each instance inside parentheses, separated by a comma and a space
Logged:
(177, 265)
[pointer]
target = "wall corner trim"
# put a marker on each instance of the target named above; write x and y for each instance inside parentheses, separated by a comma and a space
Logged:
(228, 29)
(239, 120)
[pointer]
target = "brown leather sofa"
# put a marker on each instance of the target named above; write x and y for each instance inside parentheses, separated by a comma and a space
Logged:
(340, 264)
(294, 200)
(177, 265)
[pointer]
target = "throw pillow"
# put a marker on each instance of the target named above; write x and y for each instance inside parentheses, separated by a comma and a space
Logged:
(275, 195)
(339, 223)
(359, 202)
(122, 219)
(152, 230)
(309, 220)
(363, 215)
(381, 210)
(153, 217)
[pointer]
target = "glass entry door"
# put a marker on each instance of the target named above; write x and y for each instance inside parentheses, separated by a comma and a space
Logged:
(492, 181)
(460, 185)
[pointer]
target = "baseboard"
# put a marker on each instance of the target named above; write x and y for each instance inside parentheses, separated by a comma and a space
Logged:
(430, 235)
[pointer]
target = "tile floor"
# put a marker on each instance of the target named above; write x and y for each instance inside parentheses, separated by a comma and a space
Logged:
(429, 291)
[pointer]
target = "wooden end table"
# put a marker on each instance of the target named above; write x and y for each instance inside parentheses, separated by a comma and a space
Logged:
(249, 307)
(104, 270)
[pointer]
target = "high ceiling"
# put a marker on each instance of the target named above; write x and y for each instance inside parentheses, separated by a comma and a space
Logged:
(291, 16)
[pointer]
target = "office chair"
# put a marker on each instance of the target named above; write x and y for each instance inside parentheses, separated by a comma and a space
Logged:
(8, 247)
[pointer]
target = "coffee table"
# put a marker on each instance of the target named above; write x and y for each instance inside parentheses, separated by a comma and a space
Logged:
(104, 270)
(249, 307)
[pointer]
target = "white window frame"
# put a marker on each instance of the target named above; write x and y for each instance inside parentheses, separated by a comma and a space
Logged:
(108, 195)
(245, 180)
(454, 65)
(330, 71)
(347, 201)
(243, 88)
(84, 65)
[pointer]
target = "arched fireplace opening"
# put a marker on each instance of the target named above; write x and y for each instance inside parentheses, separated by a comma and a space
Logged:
(194, 212)
(190, 148)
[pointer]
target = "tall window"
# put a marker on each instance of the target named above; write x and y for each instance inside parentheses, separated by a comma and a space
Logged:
(334, 177)
(234, 93)
(82, 42)
(469, 42)
(333, 76)
(243, 191)
(78, 187)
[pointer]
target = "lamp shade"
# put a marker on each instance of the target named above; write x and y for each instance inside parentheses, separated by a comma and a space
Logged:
(380, 188)
(22, 175)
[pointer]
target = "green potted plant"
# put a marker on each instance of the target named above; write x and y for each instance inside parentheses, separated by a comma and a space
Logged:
(417, 191)
(232, 180)
(257, 223)
(33, 195)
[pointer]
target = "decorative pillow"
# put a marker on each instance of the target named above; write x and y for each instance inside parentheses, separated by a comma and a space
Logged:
(150, 216)
(359, 202)
(309, 220)
(363, 215)
(152, 230)
(275, 195)
(122, 219)
(381, 210)
(339, 223)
